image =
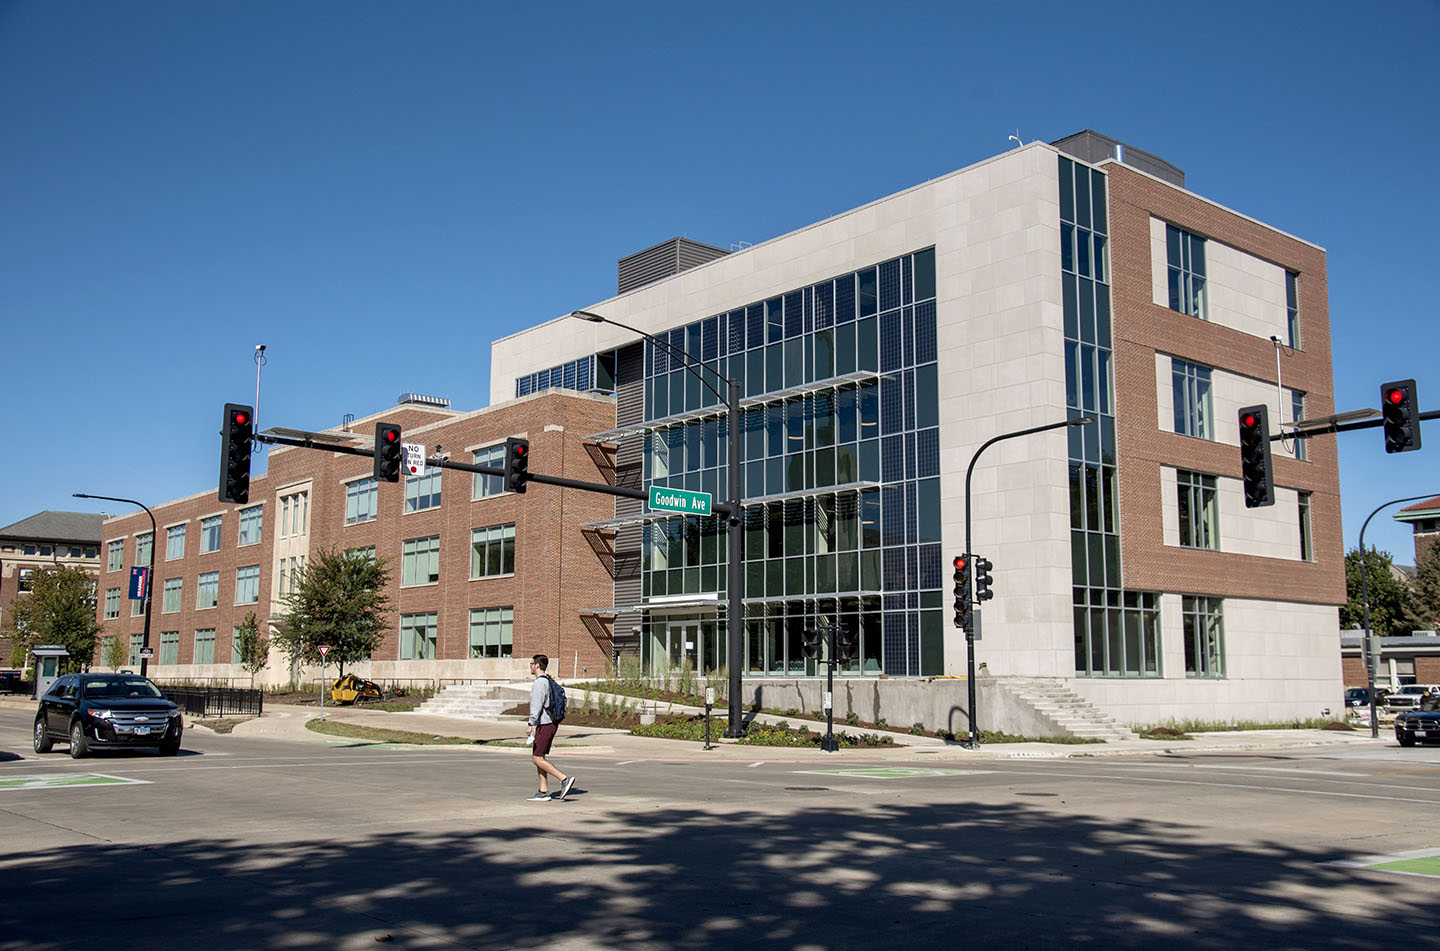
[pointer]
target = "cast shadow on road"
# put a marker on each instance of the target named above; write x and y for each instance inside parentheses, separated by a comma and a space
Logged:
(832, 874)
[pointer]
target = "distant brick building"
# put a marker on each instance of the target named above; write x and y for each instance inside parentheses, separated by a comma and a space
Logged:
(41, 541)
(480, 578)
(1424, 519)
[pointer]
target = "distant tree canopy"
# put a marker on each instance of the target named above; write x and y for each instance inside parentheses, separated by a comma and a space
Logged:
(338, 600)
(59, 609)
(1389, 595)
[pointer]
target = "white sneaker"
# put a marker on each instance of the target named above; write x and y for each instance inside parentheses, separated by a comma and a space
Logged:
(539, 796)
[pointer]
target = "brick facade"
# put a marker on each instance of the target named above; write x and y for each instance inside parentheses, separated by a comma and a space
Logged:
(557, 575)
(1141, 328)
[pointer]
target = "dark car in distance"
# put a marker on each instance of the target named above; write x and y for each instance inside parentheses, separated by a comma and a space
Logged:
(107, 711)
(1360, 696)
(1422, 724)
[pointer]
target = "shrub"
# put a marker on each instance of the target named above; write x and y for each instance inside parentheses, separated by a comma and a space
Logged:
(917, 728)
(852, 718)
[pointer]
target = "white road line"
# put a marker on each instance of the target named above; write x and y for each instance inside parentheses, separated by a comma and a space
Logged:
(756, 763)
(1272, 789)
(1247, 769)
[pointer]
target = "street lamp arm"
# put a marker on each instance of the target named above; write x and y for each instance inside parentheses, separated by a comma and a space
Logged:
(150, 569)
(690, 362)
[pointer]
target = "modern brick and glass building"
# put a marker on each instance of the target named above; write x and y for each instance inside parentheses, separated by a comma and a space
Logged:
(480, 578)
(879, 348)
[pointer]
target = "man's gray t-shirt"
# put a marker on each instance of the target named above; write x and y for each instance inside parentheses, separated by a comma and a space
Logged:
(539, 700)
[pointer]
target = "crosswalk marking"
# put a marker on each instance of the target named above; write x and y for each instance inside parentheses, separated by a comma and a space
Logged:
(66, 780)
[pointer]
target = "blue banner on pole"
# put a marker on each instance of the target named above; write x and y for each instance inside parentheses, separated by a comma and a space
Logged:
(139, 583)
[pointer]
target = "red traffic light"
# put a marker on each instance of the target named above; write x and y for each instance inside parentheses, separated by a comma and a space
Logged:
(1248, 420)
(241, 419)
(959, 562)
(391, 435)
(1395, 397)
(521, 449)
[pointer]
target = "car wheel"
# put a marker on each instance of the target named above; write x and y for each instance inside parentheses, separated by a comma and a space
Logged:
(78, 746)
(171, 747)
(1405, 739)
(42, 737)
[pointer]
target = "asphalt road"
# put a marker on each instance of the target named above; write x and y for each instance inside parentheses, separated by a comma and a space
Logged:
(286, 844)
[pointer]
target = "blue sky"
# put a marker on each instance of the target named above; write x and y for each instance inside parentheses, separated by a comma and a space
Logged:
(362, 186)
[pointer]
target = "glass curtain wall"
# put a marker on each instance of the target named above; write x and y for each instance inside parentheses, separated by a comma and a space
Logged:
(841, 470)
(1117, 632)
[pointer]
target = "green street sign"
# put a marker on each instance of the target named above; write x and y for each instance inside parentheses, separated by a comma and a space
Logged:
(679, 500)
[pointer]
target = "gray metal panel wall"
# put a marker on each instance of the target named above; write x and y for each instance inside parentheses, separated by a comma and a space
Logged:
(1092, 147)
(663, 260)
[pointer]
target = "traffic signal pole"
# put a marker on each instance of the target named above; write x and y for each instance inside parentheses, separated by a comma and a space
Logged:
(974, 741)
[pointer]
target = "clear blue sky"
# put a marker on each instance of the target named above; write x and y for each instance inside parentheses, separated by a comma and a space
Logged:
(362, 186)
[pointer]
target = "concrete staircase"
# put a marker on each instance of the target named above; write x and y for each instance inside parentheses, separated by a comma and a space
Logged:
(1071, 714)
(476, 701)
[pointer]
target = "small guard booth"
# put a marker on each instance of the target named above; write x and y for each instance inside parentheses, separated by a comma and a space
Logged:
(47, 666)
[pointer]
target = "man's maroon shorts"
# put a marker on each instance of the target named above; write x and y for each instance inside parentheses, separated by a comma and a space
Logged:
(544, 736)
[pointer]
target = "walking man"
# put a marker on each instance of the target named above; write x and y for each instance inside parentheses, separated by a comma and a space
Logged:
(541, 731)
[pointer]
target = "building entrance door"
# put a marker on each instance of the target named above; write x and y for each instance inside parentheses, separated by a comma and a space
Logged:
(684, 647)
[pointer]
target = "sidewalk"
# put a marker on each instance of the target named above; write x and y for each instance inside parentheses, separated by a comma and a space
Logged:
(288, 722)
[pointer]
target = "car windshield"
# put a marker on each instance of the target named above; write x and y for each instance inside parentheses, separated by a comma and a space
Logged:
(128, 688)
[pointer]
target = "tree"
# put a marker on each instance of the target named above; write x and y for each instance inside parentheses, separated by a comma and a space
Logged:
(59, 609)
(1423, 610)
(113, 652)
(252, 647)
(1388, 594)
(338, 600)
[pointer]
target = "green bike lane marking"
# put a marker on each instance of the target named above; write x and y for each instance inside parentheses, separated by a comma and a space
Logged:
(894, 772)
(62, 780)
(1423, 862)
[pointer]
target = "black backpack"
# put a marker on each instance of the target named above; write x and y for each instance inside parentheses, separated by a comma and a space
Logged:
(559, 703)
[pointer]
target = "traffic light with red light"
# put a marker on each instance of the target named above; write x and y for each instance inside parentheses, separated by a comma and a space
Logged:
(1256, 470)
(237, 431)
(963, 613)
(517, 464)
(387, 452)
(1401, 411)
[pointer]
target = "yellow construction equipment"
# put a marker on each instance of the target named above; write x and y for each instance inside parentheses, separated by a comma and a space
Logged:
(350, 688)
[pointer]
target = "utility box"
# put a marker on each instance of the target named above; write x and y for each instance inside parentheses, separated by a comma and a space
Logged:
(47, 666)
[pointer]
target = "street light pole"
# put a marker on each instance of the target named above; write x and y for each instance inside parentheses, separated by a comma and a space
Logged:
(974, 742)
(149, 571)
(1365, 610)
(734, 644)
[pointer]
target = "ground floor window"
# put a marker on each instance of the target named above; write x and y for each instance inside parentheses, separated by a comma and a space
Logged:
(137, 641)
(492, 632)
(1117, 633)
(1204, 637)
(204, 646)
(417, 636)
(169, 647)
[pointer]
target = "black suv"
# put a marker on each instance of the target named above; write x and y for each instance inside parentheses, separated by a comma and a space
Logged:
(107, 711)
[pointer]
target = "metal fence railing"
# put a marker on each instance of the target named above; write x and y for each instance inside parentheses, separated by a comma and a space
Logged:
(215, 701)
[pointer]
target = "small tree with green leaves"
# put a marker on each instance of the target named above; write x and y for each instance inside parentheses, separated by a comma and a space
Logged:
(59, 609)
(338, 600)
(113, 652)
(1388, 594)
(252, 647)
(1423, 610)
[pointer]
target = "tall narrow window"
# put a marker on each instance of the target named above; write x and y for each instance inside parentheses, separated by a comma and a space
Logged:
(112, 603)
(1307, 548)
(210, 533)
(207, 593)
(487, 485)
(1186, 257)
(1193, 409)
(173, 591)
(251, 524)
(1204, 637)
(115, 555)
(1297, 413)
(174, 542)
(1292, 309)
(144, 545)
(169, 647)
(247, 584)
(137, 641)
(204, 646)
(1199, 522)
